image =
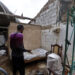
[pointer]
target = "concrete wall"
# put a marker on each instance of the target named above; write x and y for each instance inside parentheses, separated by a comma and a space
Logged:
(51, 36)
(52, 12)
(49, 16)
(32, 35)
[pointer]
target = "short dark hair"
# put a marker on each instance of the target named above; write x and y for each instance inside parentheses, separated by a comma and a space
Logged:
(19, 27)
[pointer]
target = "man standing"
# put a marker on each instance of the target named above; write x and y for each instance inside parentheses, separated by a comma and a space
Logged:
(16, 44)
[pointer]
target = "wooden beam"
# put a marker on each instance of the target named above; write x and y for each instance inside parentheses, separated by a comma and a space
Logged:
(3, 27)
(46, 27)
(17, 16)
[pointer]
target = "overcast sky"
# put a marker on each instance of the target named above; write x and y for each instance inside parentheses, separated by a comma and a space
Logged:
(29, 8)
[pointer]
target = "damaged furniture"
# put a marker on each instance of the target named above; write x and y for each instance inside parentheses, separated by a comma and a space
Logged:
(57, 49)
(37, 54)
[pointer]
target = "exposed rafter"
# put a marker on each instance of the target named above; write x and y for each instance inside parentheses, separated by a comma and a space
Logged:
(16, 16)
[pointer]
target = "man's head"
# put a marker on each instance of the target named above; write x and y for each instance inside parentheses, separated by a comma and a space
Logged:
(20, 28)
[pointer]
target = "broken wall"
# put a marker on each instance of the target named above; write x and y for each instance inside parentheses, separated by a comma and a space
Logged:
(46, 18)
(51, 17)
(57, 34)
(53, 12)
(53, 35)
(48, 14)
(32, 35)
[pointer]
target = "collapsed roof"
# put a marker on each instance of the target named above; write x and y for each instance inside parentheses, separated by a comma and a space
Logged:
(5, 20)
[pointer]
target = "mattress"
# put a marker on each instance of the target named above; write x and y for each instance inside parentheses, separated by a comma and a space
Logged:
(36, 54)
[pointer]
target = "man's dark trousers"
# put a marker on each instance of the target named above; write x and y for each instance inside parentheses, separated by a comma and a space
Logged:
(18, 64)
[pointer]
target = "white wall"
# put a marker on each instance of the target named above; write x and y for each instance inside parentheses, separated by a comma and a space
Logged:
(49, 37)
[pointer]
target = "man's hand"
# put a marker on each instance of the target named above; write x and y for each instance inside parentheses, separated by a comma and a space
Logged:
(29, 51)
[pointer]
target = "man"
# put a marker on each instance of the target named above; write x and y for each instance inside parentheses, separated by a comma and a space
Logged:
(16, 44)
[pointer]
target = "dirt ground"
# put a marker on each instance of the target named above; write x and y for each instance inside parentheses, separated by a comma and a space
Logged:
(28, 67)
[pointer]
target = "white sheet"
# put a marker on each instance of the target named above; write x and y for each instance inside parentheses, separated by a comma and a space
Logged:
(54, 63)
(2, 52)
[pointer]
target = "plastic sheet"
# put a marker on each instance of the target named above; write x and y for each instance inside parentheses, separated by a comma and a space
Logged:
(54, 63)
(2, 52)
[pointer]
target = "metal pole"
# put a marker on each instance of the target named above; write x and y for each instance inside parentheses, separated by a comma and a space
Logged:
(73, 49)
(63, 73)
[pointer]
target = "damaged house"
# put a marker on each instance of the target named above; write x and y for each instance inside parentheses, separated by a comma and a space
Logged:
(52, 17)
(47, 28)
(51, 20)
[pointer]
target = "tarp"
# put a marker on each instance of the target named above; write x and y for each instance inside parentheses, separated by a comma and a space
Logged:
(54, 63)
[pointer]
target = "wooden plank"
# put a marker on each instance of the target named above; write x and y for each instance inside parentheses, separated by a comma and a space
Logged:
(17, 16)
(3, 27)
